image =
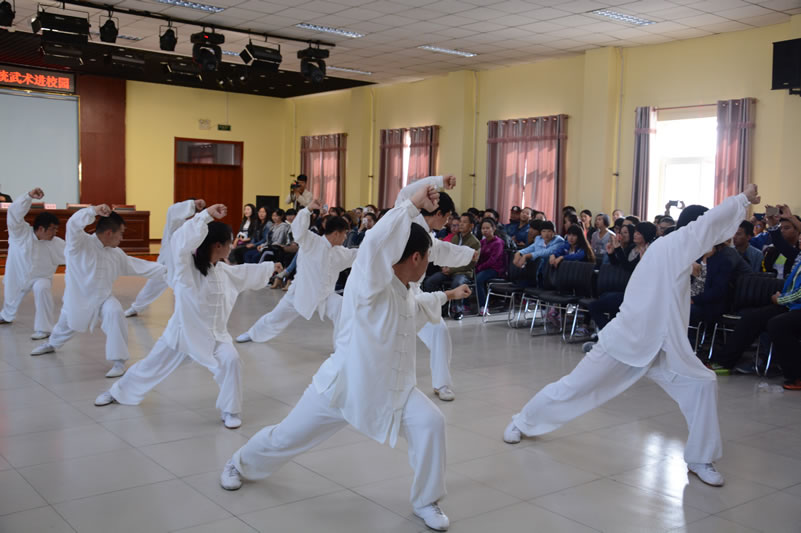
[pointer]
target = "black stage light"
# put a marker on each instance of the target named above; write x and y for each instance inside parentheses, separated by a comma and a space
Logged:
(7, 13)
(262, 58)
(62, 54)
(109, 31)
(182, 68)
(126, 59)
(312, 66)
(56, 27)
(206, 51)
(168, 39)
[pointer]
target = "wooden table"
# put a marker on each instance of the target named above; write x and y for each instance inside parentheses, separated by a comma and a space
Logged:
(137, 228)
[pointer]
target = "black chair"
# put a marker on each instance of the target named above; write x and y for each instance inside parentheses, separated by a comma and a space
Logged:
(574, 280)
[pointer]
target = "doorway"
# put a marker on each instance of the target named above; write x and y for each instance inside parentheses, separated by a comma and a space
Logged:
(211, 170)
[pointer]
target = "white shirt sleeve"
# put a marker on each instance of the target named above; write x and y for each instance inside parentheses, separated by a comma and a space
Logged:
(15, 217)
(408, 191)
(76, 236)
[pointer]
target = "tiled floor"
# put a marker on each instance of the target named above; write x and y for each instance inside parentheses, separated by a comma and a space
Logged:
(66, 465)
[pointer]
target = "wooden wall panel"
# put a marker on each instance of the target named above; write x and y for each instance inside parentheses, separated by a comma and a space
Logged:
(102, 136)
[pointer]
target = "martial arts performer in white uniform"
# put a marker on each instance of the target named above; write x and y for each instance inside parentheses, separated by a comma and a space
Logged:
(34, 254)
(435, 335)
(658, 289)
(177, 214)
(320, 260)
(94, 262)
(206, 289)
(369, 380)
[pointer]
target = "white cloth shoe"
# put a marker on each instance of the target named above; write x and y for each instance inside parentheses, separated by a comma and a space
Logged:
(43, 349)
(130, 312)
(39, 335)
(230, 479)
(117, 370)
(433, 516)
(231, 421)
(445, 394)
(104, 398)
(707, 473)
(512, 435)
(244, 338)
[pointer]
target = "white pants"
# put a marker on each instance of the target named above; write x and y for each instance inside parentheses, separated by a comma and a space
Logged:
(313, 420)
(42, 298)
(277, 320)
(438, 341)
(149, 293)
(599, 377)
(112, 322)
(162, 360)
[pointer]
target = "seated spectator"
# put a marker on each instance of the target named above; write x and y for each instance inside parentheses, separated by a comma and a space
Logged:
(574, 248)
(514, 218)
(718, 272)
(290, 215)
(278, 237)
(245, 234)
(518, 231)
(451, 229)
(570, 219)
(259, 237)
(500, 231)
(628, 258)
(586, 223)
(617, 213)
(762, 240)
(601, 237)
(631, 219)
(454, 277)
(665, 222)
(741, 243)
(368, 221)
(5, 198)
(568, 209)
(540, 248)
(617, 225)
(779, 257)
(534, 227)
(491, 261)
(658, 219)
(538, 215)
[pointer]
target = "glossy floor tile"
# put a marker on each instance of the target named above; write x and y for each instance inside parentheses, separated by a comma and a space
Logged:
(68, 466)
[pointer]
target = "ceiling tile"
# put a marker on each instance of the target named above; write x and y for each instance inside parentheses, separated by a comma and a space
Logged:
(701, 20)
(689, 33)
(726, 26)
(582, 6)
(541, 27)
(545, 13)
(646, 6)
(514, 6)
(713, 6)
(386, 7)
(781, 5)
(766, 20)
(744, 12)
(483, 27)
(578, 20)
(674, 13)
(662, 27)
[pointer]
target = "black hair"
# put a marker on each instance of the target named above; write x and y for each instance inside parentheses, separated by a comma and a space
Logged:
(335, 223)
(254, 216)
(290, 212)
(280, 213)
(658, 219)
(470, 217)
(619, 222)
(632, 218)
(491, 222)
(629, 231)
(219, 232)
(547, 224)
(474, 211)
(45, 220)
(371, 215)
(748, 228)
(572, 218)
(586, 212)
(494, 212)
(647, 230)
(568, 209)
(302, 177)
(382, 213)
(669, 219)
(419, 241)
(581, 242)
(689, 214)
(112, 222)
(535, 224)
(605, 218)
(445, 206)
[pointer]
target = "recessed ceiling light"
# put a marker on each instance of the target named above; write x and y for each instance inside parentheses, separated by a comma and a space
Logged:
(447, 51)
(120, 36)
(327, 29)
(622, 17)
(351, 70)
(193, 5)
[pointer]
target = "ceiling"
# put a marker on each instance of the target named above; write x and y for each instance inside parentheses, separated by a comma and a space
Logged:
(501, 32)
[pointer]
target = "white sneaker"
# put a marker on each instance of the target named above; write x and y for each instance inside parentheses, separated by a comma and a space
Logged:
(117, 370)
(707, 473)
(244, 338)
(445, 393)
(130, 312)
(512, 435)
(434, 518)
(231, 421)
(104, 398)
(39, 335)
(230, 479)
(43, 349)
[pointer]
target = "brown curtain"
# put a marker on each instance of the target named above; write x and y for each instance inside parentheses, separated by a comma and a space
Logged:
(423, 146)
(526, 164)
(322, 159)
(390, 172)
(644, 127)
(735, 139)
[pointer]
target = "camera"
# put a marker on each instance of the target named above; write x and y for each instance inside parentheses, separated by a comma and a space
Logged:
(293, 186)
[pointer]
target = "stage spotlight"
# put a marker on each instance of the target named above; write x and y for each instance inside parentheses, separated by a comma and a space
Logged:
(206, 51)
(56, 27)
(262, 58)
(312, 66)
(168, 39)
(7, 13)
(109, 31)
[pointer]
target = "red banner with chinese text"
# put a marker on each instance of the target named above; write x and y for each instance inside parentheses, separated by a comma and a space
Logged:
(31, 78)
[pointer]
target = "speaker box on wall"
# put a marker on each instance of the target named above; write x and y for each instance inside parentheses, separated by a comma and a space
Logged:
(787, 65)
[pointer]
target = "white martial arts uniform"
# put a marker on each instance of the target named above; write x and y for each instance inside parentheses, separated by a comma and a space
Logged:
(176, 216)
(659, 289)
(319, 265)
(435, 335)
(369, 380)
(92, 269)
(198, 328)
(30, 266)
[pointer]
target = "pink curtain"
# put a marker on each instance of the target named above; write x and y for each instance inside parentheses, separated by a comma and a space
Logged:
(322, 159)
(644, 127)
(735, 141)
(526, 164)
(390, 171)
(423, 146)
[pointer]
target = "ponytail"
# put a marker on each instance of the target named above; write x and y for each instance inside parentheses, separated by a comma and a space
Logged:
(219, 232)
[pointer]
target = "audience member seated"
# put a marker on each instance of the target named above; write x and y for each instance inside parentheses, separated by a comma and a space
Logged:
(779, 257)
(514, 219)
(491, 260)
(762, 223)
(618, 224)
(534, 228)
(278, 237)
(628, 258)
(617, 213)
(247, 229)
(356, 236)
(542, 247)
(500, 231)
(631, 219)
(741, 243)
(518, 231)
(454, 277)
(570, 219)
(450, 230)
(601, 237)
(538, 215)
(718, 272)
(586, 223)
(574, 248)
(260, 236)
(665, 222)
(5, 197)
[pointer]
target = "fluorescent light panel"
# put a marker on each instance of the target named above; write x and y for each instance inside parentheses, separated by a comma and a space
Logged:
(447, 51)
(193, 5)
(229, 53)
(327, 29)
(622, 17)
(120, 36)
(351, 70)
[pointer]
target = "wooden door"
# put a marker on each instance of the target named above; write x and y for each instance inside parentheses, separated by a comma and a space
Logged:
(215, 183)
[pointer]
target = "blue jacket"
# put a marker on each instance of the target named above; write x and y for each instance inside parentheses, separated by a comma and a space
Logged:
(791, 292)
(564, 251)
(538, 248)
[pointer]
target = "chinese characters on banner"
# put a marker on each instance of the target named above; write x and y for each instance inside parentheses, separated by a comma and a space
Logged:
(27, 78)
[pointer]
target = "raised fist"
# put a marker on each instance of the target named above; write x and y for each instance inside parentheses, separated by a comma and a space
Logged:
(449, 182)
(36, 194)
(218, 211)
(102, 210)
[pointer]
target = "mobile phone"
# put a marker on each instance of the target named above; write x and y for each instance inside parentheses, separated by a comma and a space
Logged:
(673, 203)
(325, 207)
(771, 211)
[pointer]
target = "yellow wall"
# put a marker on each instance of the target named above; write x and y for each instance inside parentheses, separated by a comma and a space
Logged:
(588, 88)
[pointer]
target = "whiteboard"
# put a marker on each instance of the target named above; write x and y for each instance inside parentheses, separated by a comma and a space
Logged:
(39, 145)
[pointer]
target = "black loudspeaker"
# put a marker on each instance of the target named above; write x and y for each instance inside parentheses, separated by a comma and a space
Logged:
(787, 65)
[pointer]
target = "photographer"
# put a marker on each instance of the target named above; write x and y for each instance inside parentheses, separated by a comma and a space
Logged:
(299, 196)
